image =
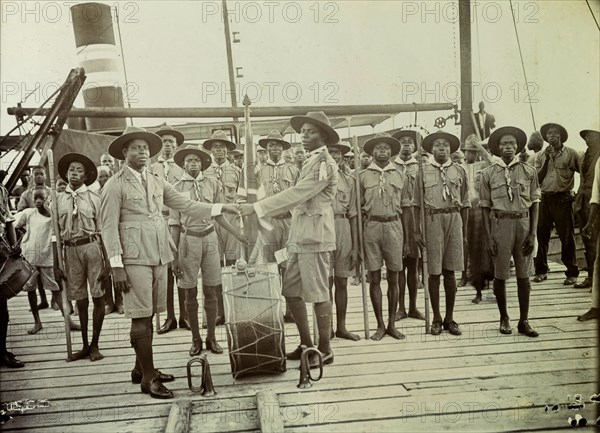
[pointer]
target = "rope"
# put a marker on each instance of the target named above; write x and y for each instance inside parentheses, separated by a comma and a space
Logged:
(592, 12)
(123, 61)
(522, 64)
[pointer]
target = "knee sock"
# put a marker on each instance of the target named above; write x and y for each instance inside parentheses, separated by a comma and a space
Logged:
(97, 320)
(298, 309)
(523, 291)
(500, 292)
(434, 296)
(322, 310)
(450, 291)
(191, 308)
(210, 308)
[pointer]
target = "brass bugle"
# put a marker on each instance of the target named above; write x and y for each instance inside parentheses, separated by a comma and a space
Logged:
(206, 387)
(305, 376)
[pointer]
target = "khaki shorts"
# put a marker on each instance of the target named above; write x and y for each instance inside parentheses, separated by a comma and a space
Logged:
(275, 239)
(199, 254)
(83, 266)
(342, 256)
(383, 242)
(307, 276)
(509, 235)
(444, 243)
(148, 292)
(47, 277)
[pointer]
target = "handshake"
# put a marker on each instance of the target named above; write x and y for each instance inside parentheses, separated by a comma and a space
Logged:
(242, 209)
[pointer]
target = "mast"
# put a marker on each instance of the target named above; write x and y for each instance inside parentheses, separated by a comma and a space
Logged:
(466, 79)
(229, 58)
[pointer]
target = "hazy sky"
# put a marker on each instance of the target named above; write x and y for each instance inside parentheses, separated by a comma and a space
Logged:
(343, 52)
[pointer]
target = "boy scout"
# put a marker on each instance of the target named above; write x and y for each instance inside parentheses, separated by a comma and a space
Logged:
(345, 255)
(408, 165)
(198, 246)
(386, 203)
(312, 231)
(446, 200)
(509, 195)
(78, 219)
(166, 168)
(137, 237)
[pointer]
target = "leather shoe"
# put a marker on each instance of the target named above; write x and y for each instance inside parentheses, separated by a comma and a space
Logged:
(526, 329)
(169, 325)
(196, 347)
(570, 281)
(540, 277)
(43, 305)
(452, 327)
(295, 355)
(436, 327)
(220, 321)
(585, 284)
(184, 324)
(213, 346)
(505, 326)
(136, 376)
(10, 361)
(156, 389)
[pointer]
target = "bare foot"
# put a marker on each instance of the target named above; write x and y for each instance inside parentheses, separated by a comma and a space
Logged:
(401, 315)
(343, 333)
(82, 354)
(416, 315)
(37, 327)
(95, 354)
(378, 334)
(476, 299)
(392, 331)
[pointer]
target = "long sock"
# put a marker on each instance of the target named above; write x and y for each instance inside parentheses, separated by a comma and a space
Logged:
(82, 309)
(298, 309)
(523, 291)
(118, 295)
(181, 299)
(170, 295)
(219, 298)
(210, 307)
(32, 298)
(341, 301)
(434, 296)
(500, 292)
(412, 280)
(191, 308)
(450, 291)
(97, 320)
(141, 341)
(322, 310)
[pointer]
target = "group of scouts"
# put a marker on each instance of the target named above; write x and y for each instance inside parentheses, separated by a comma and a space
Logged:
(179, 217)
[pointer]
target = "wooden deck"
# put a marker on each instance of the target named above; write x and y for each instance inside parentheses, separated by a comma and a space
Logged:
(481, 381)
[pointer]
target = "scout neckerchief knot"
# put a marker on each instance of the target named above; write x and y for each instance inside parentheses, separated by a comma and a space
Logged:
(275, 178)
(446, 191)
(507, 178)
(382, 171)
(196, 183)
(166, 163)
(74, 208)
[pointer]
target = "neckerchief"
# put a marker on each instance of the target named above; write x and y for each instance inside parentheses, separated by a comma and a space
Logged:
(219, 170)
(375, 167)
(507, 168)
(166, 163)
(446, 191)
(73, 207)
(196, 185)
(275, 178)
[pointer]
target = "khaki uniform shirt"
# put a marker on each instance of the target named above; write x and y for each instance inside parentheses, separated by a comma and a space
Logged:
(344, 201)
(519, 177)
(561, 169)
(384, 192)
(224, 173)
(442, 193)
(201, 189)
(78, 212)
(274, 178)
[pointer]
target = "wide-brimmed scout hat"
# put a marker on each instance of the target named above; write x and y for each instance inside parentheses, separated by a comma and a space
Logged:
(343, 146)
(382, 138)
(219, 135)
(495, 137)
(167, 130)
(564, 135)
(407, 133)
(452, 139)
(237, 152)
(319, 119)
(91, 171)
(115, 149)
(470, 143)
(349, 153)
(584, 132)
(192, 149)
(274, 135)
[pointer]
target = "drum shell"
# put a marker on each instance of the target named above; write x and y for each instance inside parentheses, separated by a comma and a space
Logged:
(15, 272)
(254, 320)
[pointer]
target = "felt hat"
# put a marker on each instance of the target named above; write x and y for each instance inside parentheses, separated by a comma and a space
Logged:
(349, 153)
(382, 138)
(584, 132)
(564, 135)
(219, 135)
(115, 149)
(237, 152)
(495, 137)
(319, 119)
(274, 135)
(90, 168)
(452, 139)
(192, 149)
(407, 133)
(167, 130)
(342, 146)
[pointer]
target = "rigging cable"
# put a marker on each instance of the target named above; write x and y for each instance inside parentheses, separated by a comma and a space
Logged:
(522, 64)
(123, 60)
(592, 12)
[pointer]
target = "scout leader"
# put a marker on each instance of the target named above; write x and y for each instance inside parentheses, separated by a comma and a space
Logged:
(79, 223)
(408, 165)
(509, 195)
(166, 168)
(446, 201)
(345, 255)
(137, 238)
(386, 203)
(197, 246)
(312, 231)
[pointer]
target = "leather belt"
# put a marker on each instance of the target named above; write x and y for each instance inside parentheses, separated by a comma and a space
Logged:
(76, 242)
(511, 215)
(441, 211)
(340, 216)
(283, 216)
(199, 234)
(384, 218)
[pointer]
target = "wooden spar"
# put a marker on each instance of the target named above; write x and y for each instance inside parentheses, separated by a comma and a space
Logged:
(224, 112)
(466, 79)
(422, 229)
(232, 90)
(251, 182)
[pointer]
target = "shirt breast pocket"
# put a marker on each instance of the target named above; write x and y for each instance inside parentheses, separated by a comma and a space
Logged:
(524, 188)
(498, 189)
(134, 199)
(130, 240)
